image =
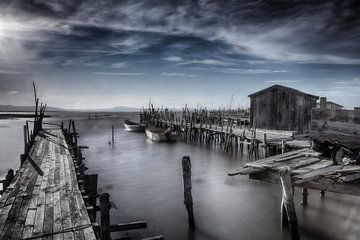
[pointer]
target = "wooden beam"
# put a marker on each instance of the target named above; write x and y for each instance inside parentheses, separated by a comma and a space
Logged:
(34, 164)
(128, 226)
(160, 237)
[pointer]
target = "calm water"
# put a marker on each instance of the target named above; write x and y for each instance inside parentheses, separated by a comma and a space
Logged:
(145, 183)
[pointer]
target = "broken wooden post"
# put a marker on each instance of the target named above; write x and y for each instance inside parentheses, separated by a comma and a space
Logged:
(304, 196)
(288, 213)
(186, 172)
(105, 216)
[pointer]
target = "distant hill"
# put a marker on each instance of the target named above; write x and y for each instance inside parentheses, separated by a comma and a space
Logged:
(11, 108)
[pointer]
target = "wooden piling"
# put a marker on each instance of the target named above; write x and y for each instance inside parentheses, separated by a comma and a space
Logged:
(90, 184)
(105, 216)
(288, 213)
(304, 196)
(188, 201)
(112, 134)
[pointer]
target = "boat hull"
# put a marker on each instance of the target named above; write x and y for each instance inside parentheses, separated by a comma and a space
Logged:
(157, 136)
(133, 127)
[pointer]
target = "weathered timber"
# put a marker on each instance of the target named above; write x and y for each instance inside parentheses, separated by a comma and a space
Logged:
(128, 226)
(160, 237)
(105, 216)
(287, 203)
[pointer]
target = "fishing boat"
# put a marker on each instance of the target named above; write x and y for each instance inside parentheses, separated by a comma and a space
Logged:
(157, 134)
(133, 126)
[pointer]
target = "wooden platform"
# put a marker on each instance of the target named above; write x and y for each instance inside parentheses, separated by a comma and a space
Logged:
(49, 206)
(273, 137)
(307, 170)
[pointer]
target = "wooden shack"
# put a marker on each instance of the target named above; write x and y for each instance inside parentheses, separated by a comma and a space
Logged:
(282, 108)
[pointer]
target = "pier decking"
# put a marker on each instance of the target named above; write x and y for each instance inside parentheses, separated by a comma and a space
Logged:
(307, 170)
(50, 206)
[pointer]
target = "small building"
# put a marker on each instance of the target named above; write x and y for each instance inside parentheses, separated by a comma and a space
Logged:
(282, 108)
(328, 104)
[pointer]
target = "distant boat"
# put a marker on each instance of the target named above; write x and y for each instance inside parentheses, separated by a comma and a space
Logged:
(157, 134)
(133, 126)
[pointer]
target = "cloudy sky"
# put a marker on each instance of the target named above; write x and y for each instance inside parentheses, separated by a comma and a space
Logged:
(97, 53)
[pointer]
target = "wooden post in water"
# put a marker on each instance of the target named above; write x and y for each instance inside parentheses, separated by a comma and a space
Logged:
(288, 213)
(105, 216)
(186, 172)
(112, 134)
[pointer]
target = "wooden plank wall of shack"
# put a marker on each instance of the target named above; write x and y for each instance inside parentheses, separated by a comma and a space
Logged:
(336, 125)
(281, 108)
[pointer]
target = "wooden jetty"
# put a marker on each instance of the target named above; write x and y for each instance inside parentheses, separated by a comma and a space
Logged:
(48, 206)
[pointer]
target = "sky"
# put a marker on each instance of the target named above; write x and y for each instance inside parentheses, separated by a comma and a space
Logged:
(101, 54)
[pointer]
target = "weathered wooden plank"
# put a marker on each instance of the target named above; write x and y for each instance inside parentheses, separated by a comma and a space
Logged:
(303, 163)
(57, 227)
(49, 207)
(306, 177)
(312, 167)
(245, 171)
(72, 183)
(266, 162)
(349, 178)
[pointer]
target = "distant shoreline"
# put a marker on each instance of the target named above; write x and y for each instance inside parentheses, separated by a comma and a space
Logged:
(18, 115)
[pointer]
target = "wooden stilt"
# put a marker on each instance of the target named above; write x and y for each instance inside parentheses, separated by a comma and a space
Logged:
(105, 216)
(287, 204)
(304, 196)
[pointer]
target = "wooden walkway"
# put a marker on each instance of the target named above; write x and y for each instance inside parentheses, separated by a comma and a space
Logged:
(49, 206)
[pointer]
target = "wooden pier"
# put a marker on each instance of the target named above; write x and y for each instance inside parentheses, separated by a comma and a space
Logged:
(218, 127)
(50, 206)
